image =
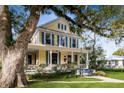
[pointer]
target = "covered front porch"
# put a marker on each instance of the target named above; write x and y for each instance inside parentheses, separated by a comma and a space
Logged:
(50, 55)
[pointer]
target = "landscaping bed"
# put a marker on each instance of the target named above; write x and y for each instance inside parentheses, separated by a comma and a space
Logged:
(59, 77)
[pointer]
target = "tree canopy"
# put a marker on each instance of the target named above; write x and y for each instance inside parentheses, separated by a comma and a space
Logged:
(119, 52)
(98, 19)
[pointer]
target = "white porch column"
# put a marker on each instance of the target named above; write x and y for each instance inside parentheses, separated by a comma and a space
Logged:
(78, 59)
(87, 61)
(59, 40)
(50, 57)
(38, 63)
(72, 57)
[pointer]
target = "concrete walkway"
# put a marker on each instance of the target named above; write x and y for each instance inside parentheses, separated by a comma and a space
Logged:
(103, 79)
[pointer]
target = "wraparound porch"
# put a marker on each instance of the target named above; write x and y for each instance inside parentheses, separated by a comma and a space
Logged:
(49, 55)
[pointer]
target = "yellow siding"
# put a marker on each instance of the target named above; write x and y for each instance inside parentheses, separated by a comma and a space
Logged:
(54, 25)
(42, 56)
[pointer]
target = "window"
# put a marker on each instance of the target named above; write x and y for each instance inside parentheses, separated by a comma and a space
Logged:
(61, 26)
(74, 43)
(65, 27)
(58, 25)
(63, 39)
(48, 38)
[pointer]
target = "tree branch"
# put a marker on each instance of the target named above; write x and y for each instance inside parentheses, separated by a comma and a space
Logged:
(29, 29)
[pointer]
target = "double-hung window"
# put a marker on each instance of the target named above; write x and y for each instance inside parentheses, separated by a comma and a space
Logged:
(63, 41)
(48, 38)
(74, 43)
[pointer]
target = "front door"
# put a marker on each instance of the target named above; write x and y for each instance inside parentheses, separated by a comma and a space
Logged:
(54, 58)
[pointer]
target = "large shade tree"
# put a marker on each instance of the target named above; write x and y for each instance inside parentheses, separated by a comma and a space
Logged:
(119, 52)
(92, 40)
(22, 22)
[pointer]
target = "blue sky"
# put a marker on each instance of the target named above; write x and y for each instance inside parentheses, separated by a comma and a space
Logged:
(108, 45)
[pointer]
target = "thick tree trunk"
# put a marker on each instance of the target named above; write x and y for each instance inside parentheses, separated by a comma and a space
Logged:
(12, 71)
(13, 56)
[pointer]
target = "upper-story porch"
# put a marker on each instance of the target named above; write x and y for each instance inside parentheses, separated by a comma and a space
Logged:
(48, 37)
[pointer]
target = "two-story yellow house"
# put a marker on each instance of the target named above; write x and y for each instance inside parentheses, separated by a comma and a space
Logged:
(54, 43)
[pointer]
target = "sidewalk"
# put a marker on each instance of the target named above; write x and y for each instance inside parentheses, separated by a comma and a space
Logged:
(103, 79)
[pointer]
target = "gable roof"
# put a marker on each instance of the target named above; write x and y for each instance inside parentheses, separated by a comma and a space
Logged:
(49, 22)
(114, 57)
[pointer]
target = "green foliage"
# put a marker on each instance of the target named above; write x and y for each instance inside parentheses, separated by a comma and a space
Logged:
(119, 52)
(80, 17)
(112, 69)
(100, 73)
(97, 57)
(98, 20)
(51, 76)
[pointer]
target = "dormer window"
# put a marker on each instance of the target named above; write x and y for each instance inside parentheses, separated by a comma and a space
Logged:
(62, 26)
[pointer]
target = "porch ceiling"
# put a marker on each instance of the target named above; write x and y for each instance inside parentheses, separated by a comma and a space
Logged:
(56, 48)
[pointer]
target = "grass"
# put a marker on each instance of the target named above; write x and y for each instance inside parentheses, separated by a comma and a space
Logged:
(115, 75)
(72, 79)
(44, 84)
(65, 77)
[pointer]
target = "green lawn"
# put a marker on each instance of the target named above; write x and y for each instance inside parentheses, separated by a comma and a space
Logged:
(116, 75)
(44, 84)
(72, 79)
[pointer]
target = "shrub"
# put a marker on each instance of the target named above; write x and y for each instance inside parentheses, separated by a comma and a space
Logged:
(34, 76)
(112, 69)
(51, 76)
(100, 73)
(41, 67)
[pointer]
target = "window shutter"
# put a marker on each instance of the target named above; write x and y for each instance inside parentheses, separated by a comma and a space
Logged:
(52, 39)
(66, 41)
(59, 57)
(77, 42)
(58, 40)
(47, 58)
(70, 42)
(42, 38)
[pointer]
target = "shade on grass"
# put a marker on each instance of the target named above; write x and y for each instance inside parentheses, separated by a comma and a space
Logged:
(74, 85)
